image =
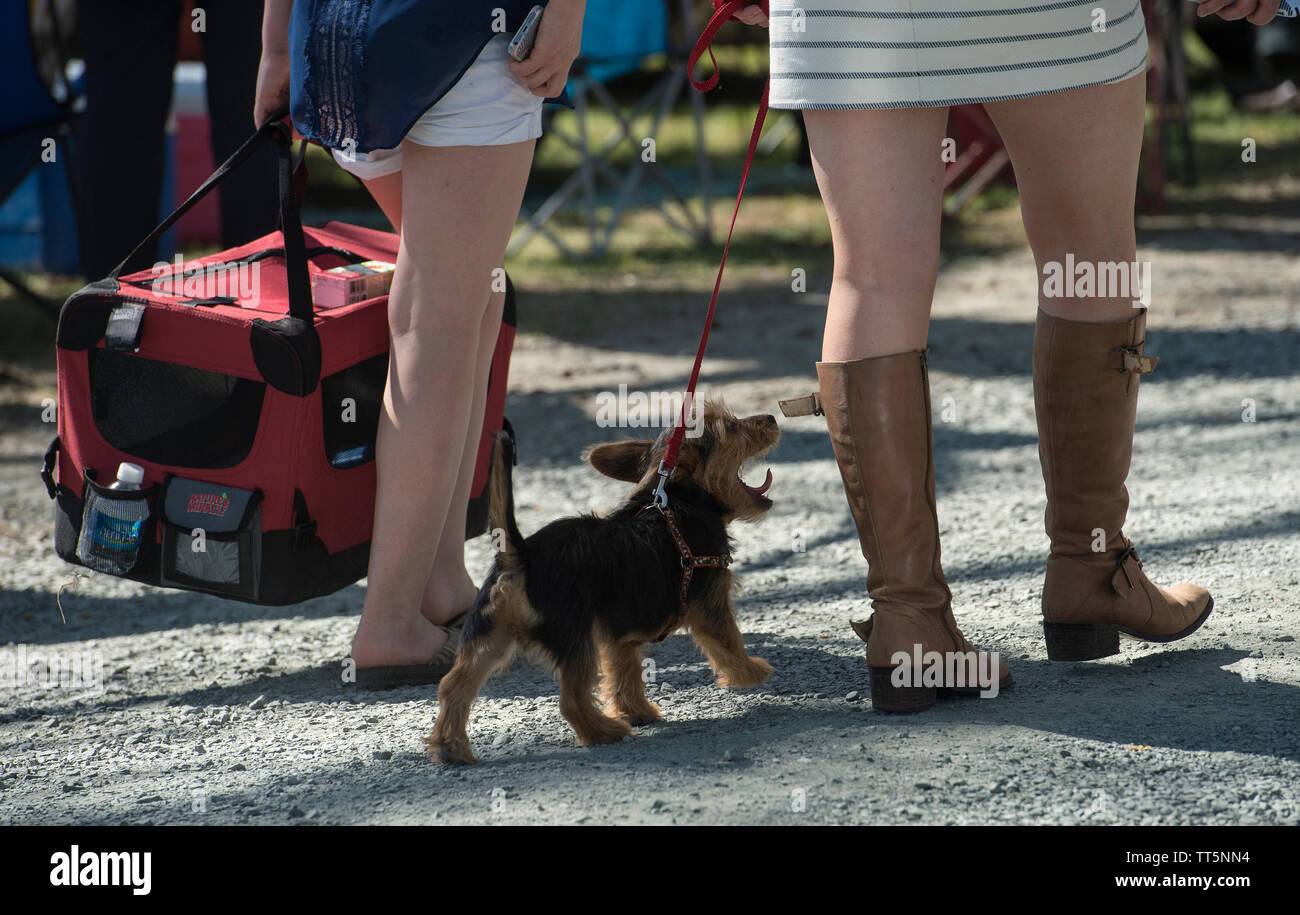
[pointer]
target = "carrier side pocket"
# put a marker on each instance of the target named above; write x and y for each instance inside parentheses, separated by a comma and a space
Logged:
(211, 537)
(116, 527)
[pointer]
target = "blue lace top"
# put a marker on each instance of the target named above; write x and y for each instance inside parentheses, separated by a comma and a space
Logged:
(363, 71)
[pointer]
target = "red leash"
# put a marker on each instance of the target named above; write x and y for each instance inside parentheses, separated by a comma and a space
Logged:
(725, 10)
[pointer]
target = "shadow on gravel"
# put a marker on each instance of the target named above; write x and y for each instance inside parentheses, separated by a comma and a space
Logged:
(1177, 699)
(1182, 699)
(1281, 525)
(32, 617)
(773, 335)
(802, 666)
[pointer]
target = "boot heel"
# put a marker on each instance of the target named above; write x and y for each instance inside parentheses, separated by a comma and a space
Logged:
(886, 697)
(1080, 641)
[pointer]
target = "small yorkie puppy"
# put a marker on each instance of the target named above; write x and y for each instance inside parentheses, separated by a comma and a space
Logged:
(583, 594)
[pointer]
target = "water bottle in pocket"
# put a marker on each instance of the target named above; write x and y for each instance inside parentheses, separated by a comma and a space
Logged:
(113, 522)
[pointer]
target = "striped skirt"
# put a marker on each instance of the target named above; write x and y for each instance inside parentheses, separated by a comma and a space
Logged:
(919, 53)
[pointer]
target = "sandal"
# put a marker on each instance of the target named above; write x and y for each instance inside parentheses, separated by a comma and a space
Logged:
(397, 675)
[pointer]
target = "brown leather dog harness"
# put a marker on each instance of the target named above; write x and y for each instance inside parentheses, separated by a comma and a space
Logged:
(690, 562)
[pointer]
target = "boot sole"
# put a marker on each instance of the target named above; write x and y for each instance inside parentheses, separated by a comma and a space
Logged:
(1091, 641)
(886, 697)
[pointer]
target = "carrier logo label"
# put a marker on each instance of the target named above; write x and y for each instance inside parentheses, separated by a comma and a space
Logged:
(208, 503)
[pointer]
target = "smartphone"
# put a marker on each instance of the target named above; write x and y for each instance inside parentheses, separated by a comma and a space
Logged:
(522, 44)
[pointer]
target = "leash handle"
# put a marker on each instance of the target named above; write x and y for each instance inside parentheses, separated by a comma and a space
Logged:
(724, 11)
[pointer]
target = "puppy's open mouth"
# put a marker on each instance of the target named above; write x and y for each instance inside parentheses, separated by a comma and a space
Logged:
(757, 492)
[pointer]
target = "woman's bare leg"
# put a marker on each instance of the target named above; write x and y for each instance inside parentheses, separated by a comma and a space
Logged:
(1076, 159)
(458, 206)
(450, 589)
(881, 178)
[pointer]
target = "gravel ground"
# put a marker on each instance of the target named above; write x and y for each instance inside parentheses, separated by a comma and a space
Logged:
(219, 712)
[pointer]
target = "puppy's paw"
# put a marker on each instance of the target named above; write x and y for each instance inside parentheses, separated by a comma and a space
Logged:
(641, 715)
(753, 672)
(634, 707)
(611, 730)
(450, 752)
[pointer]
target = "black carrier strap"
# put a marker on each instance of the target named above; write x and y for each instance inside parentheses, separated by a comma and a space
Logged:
(47, 470)
(295, 249)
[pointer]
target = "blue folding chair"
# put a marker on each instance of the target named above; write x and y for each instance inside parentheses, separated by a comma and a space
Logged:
(619, 38)
(34, 111)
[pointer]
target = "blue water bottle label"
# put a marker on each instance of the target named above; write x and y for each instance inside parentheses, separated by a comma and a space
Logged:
(115, 533)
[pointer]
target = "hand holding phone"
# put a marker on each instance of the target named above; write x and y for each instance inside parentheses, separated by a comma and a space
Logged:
(557, 43)
(522, 43)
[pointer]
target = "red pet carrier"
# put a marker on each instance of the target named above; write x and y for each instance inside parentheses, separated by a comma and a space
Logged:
(251, 410)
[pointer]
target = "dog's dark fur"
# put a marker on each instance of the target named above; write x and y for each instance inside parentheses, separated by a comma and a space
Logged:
(584, 594)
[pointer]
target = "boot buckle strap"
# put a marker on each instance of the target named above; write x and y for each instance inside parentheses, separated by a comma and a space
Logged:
(1130, 359)
(1128, 564)
(808, 405)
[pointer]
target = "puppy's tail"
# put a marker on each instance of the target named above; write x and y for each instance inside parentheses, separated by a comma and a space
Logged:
(501, 496)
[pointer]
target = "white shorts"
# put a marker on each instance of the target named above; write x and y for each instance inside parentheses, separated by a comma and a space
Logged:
(487, 106)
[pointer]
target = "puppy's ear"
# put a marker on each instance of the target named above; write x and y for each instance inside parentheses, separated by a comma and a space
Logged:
(620, 460)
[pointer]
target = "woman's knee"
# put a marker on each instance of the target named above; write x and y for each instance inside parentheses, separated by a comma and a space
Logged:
(420, 314)
(1089, 271)
(877, 268)
(1063, 220)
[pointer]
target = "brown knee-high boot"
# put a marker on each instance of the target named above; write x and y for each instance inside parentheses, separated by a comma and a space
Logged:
(878, 415)
(1085, 397)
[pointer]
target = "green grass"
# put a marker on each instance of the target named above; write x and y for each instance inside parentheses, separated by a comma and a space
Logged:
(1217, 135)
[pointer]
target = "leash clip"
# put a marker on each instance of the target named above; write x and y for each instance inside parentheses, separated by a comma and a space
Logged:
(661, 497)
